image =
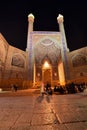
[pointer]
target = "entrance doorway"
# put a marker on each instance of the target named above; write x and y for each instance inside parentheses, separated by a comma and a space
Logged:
(46, 72)
(47, 76)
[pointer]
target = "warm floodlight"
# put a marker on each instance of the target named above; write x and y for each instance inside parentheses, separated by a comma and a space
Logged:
(46, 65)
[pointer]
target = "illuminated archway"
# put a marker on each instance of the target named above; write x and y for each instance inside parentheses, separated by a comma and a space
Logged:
(46, 72)
(46, 65)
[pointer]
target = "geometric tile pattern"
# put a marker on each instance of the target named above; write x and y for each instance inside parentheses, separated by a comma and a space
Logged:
(47, 50)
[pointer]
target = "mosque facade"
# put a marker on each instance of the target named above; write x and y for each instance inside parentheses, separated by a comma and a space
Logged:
(47, 59)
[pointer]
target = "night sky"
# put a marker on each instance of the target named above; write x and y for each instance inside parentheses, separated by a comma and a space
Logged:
(14, 23)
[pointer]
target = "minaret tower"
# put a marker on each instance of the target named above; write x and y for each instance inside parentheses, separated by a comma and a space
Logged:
(29, 48)
(30, 28)
(60, 21)
(65, 49)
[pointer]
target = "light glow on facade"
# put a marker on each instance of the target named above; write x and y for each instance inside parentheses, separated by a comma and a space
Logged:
(46, 65)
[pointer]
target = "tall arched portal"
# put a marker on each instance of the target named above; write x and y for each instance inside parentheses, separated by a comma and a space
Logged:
(46, 72)
(50, 46)
(47, 59)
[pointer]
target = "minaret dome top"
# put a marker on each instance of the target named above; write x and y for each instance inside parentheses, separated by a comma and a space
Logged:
(31, 17)
(60, 18)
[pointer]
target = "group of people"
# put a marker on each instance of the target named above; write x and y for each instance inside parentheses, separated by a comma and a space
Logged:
(46, 89)
(67, 89)
(70, 88)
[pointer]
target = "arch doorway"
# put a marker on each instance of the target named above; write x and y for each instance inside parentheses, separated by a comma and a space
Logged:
(46, 73)
(47, 76)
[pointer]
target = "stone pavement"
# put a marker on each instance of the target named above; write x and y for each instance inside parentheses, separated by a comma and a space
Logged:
(27, 110)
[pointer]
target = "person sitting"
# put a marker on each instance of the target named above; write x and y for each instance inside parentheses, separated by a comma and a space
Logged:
(50, 91)
(55, 88)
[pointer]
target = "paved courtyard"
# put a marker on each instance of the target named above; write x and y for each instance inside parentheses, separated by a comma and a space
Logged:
(25, 110)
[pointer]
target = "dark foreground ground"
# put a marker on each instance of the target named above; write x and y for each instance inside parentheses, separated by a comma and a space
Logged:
(27, 110)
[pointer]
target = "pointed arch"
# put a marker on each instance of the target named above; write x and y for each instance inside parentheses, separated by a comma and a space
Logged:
(47, 48)
(79, 60)
(18, 60)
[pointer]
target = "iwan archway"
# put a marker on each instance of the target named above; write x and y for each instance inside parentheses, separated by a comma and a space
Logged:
(47, 46)
(48, 65)
(47, 72)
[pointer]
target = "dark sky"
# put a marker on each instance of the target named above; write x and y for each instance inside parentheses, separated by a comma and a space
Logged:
(14, 24)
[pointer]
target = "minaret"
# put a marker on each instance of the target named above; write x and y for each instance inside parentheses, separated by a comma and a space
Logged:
(30, 28)
(60, 21)
(29, 48)
(65, 49)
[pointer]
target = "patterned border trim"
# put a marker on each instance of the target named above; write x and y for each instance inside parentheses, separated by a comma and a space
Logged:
(44, 32)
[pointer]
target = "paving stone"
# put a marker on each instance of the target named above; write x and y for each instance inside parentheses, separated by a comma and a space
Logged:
(10, 117)
(4, 128)
(6, 124)
(82, 107)
(61, 109)
(24, 118)
(43, 127)
(42, 105)
(40, 119)
(59, 127)
(42, 110)
(85, 125)
(82, 115)
(56, 112)
(76, 126)
(67, 117)
(1, 115)
(23, 126)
